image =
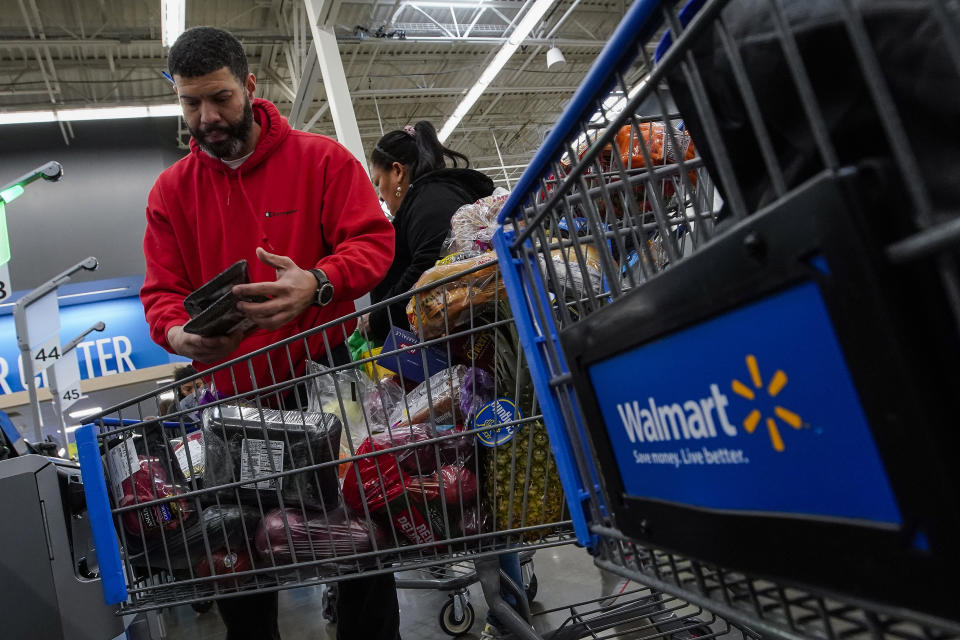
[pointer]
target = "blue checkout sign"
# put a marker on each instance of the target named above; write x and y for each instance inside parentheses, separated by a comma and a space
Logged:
(753, 410)
(124, 345)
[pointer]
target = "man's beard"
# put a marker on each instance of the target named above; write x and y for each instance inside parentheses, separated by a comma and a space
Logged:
(237, 134)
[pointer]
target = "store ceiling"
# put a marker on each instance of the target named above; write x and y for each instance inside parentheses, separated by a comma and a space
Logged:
(105, 52)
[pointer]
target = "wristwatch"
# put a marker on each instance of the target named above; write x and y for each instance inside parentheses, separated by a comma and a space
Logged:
(324, 289)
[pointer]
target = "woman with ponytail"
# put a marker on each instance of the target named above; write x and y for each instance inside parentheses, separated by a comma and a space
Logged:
(409, 170)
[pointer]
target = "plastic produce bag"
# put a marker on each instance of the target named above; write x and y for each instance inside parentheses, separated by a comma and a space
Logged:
(571, 276)
(246, 443)
(366, 406)
(149, 482)
(406, 487)
(315, 535)
(435, 400)
(659, 145)
(473, 225)
(441, 309)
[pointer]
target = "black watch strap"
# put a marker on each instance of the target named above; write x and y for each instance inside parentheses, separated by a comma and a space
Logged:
(324, 295)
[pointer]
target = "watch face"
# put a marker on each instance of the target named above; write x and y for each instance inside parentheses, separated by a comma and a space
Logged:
(325, 294)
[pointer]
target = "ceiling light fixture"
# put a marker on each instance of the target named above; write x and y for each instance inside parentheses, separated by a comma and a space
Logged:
(173, 20)
(555, 56)
(92, 113)
(519, 34)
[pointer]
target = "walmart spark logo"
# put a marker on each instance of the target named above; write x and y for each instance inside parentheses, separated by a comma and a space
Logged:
(774, 387)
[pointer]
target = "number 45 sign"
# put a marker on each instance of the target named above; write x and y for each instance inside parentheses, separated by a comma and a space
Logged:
(65, 380)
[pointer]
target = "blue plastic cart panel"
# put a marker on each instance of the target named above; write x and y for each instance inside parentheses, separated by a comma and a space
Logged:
(753, 410)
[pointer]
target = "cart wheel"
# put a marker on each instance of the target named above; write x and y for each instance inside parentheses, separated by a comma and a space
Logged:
(531, 588)
(448, 617)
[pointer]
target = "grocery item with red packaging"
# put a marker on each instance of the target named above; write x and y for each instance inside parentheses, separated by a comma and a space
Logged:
(139, 479)
(406, 486)
(226, 563)
(292, 535)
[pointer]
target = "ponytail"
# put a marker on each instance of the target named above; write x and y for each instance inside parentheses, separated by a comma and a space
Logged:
(417, 148)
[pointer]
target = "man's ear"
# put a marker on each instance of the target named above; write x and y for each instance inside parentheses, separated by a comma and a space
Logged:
(250, 85)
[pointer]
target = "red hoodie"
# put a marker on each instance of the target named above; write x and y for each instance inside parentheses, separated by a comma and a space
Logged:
(299, 195)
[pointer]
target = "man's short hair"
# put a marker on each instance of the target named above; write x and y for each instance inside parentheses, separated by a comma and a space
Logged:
(202, 50)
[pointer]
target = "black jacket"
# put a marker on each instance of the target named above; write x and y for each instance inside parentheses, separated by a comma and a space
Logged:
(422, 224)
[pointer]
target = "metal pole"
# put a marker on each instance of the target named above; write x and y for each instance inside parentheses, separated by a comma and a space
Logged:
(54, 385)
(502, 165)
(20, 321)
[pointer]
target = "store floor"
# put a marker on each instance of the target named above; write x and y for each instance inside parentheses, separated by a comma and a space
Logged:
(566, 575)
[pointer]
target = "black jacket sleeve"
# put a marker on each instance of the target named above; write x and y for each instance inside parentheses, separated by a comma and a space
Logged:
(425, 226)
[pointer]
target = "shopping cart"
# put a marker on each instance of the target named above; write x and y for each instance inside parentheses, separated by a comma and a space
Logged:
(732, 268)
(429, 454)
(294, 471)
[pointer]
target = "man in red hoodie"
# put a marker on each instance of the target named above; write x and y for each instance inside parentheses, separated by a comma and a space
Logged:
(301, 210)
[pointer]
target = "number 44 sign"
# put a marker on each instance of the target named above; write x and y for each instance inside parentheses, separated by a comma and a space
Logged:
(66, 379)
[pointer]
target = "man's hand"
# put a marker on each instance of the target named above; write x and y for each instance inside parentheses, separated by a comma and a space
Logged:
(205, 350)
(294, 290)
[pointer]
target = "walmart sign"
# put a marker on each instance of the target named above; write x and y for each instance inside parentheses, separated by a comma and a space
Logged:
(753, 410)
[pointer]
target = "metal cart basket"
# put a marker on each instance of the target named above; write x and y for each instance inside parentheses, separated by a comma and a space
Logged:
(732, 266)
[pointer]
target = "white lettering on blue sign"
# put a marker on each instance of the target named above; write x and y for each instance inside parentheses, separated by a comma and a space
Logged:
(692, 420)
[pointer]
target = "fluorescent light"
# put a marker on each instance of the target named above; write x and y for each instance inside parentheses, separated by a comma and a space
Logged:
(173, 20)
(91, 113)
(23, 117)
(92, 293)
(166, 395)
(83, 413)
(164, 381)
(519, 34)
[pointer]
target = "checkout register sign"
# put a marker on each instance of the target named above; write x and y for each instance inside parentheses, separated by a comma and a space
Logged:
(753, 410)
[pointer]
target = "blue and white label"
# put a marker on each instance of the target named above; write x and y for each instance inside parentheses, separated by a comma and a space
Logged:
(501, 411)
(753, 410)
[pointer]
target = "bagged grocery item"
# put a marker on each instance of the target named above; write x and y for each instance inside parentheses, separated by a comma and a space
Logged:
(338, 393)
(246, 443)
(473, 225)
(366, 405)
(659, 145)
(439, 310)
(570, 276)
(149, 482)
(409, 487)
(315, 535)
(435, 401)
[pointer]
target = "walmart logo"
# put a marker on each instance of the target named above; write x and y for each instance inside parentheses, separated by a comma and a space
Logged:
(773, 388)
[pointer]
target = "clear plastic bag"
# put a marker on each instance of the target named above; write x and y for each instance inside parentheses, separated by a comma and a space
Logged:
(435, 400)
(473, 225)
